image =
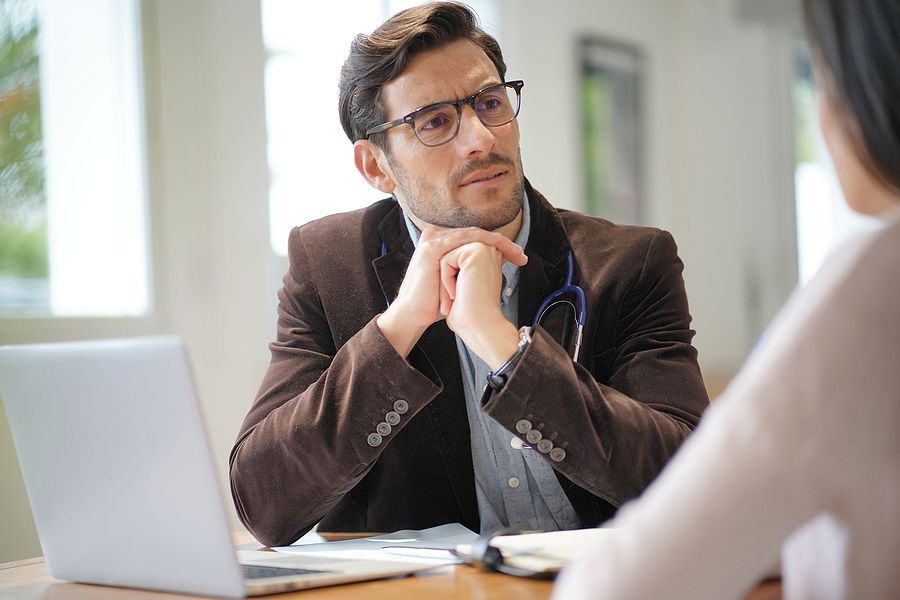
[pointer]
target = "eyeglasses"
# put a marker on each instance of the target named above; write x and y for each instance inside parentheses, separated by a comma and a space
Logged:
(438, 123)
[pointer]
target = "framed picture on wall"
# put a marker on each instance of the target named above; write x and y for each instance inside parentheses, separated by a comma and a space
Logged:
(612, 128)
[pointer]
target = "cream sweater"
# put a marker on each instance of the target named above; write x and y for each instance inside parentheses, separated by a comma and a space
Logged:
(799, 456)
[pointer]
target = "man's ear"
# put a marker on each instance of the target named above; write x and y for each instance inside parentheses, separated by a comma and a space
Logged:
(370, 159)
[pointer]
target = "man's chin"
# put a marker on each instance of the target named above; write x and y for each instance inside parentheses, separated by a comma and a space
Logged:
(489, 222)
(492, 213)
(499, 223)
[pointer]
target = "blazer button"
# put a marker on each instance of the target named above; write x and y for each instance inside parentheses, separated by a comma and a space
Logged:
(533, 436)
(557, 454)
(523, 425)
(383, 429)
(401, 406)
(544, 446)
(392, 418)
(374, 440)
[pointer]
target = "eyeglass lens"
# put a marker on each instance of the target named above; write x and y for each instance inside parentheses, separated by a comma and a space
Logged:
(439, 124)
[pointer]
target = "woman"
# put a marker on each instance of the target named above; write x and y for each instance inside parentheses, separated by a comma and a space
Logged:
(801, 454)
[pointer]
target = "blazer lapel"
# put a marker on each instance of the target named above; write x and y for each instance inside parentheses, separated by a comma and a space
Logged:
(545, 270)
(390, 266)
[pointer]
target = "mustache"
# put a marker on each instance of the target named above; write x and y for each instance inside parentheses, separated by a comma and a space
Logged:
(491, 160)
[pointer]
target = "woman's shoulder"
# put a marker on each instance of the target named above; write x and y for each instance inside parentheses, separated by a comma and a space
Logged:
(869, 277)
(862, 272)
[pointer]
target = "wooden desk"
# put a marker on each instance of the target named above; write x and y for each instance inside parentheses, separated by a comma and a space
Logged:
(30, 579)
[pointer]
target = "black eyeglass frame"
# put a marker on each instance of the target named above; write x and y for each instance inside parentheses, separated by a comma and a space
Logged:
(516, 84)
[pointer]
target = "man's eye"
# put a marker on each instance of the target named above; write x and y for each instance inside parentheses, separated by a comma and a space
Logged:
(434, 122)
(489, 104)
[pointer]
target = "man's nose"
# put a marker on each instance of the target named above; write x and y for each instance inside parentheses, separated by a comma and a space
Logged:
(474, 136)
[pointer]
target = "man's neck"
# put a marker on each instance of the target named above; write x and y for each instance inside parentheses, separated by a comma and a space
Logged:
(511, 229)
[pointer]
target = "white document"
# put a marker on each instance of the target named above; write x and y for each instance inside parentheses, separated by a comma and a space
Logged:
(432, 546)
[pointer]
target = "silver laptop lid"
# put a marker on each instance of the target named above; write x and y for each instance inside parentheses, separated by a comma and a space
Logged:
(117, 465)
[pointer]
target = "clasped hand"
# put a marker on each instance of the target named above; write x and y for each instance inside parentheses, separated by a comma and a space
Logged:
(454, 274)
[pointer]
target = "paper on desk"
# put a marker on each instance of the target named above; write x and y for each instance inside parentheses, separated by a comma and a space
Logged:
(404, 545)
(547, 551)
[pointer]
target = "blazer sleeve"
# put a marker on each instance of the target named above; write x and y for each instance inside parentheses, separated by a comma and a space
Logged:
(306, 440)
(613, 438)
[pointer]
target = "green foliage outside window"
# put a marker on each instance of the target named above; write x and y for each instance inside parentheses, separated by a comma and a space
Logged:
(23, 204)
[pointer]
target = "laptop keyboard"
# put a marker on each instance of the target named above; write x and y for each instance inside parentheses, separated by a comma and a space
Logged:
(261, 571)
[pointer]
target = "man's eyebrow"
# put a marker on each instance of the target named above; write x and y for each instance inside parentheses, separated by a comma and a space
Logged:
(447, 100)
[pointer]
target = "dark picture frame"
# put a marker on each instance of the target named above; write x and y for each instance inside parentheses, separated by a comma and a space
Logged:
(611, 106)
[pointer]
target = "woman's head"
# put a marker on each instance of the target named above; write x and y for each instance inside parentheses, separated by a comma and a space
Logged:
(856, 50)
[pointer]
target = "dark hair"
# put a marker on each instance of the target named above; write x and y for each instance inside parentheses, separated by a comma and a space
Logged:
(378, 58)
(856, 48)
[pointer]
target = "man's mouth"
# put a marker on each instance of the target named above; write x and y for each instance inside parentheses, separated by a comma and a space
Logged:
(484, 176)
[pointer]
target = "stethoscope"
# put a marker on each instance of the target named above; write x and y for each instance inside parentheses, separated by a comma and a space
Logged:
(579, 307)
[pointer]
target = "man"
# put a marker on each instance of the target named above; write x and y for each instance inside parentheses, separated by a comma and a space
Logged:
(374, 414)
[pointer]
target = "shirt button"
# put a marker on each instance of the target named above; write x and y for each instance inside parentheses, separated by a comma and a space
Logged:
(557, 454)
(544, 446)
(523, 425)
(392, 418)
(401, 406)
(507, 292)
(533, 436)
(513, 482)
(383, 429)
(517, 443)
(374, 440)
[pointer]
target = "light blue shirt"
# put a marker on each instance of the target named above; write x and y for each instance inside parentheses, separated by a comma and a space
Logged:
(514, 487)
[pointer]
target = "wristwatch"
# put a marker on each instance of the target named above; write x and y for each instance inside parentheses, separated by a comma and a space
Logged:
(497, 379)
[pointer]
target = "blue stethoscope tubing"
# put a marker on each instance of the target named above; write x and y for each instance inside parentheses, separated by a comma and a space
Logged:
(568, 287)
(580, 305)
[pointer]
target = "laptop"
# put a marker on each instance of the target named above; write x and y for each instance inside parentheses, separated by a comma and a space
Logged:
(121, 480)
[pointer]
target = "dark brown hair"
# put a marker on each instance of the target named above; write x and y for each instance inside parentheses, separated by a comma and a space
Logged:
(378, 58)
(856, 48)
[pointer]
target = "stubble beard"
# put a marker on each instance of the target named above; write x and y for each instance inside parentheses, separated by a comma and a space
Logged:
(430, 206)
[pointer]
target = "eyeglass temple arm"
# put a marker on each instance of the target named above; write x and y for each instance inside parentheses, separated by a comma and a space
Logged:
(384, 126)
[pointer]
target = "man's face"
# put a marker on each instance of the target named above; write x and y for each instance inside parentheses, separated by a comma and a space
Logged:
(476, 178)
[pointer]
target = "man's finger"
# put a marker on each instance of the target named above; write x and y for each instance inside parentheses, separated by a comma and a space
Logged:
(445, 301)
(449, 269)
(441, 241)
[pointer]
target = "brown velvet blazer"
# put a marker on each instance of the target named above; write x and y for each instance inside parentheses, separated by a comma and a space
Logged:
(620, 414)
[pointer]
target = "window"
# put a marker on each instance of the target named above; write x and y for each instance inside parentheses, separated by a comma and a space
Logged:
(823, 218)
(74, 239)
(310, 159)
(23, 206)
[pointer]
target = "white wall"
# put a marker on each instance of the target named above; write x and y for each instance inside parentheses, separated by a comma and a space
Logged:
(718, 170)
(209, 191)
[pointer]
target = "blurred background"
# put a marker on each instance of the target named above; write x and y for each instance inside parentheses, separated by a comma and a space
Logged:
(154, 155)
